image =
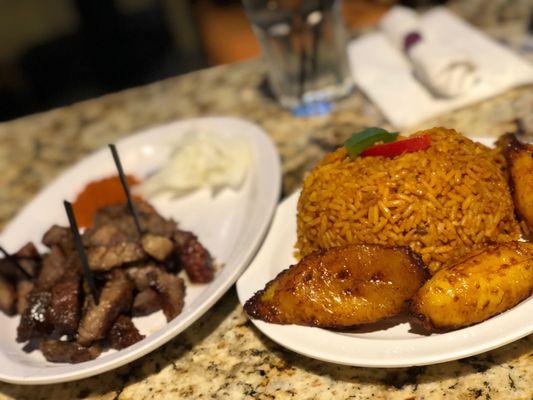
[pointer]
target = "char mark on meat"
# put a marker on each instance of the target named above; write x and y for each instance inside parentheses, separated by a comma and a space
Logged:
(34, 320)
(8, 296)
(123, 333)
(158, 247)
(146, 302)
(195, 258)
(104, 258)
(116, 298)
(64, 310)
(68, 352)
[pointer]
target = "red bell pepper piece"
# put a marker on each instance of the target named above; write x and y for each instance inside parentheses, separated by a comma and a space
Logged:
(393, 149)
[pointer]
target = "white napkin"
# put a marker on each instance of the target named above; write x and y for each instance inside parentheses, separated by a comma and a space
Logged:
(385, 74)
(443, 68)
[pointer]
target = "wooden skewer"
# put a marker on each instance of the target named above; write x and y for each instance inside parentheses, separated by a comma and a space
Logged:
(13, 260)
(126, 188)
(87, 273)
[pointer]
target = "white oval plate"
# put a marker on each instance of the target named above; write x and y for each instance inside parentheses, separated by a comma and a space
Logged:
(387, 346)
(231, 225)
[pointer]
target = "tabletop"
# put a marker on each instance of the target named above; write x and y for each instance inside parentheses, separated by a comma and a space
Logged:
(223, 355)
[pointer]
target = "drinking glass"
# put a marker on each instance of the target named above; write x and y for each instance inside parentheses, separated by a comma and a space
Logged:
(304, 46)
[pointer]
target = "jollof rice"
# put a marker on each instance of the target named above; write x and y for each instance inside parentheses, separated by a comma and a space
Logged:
(441, 202)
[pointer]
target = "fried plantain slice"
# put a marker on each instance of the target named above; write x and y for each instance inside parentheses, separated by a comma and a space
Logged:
(519, 158)
(341, 287)
(485, 283)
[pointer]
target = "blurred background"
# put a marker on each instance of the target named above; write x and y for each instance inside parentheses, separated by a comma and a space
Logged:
(55, 52)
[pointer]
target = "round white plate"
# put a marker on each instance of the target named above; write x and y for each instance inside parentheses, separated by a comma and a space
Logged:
(387, 346)
(230, 224)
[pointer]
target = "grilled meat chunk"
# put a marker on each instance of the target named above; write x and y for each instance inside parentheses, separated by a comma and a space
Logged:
(116, 297)
(27, 257)
(34, 320)
(8, 296)
(31, 266)
(104, 235)
(485, 283)
(171, 290)
(51, 300)
(142, 276)
(120, 216)
(23, 290)
(194, 257)
(28, 251)
(9, 271)
(146, 302)
(104, 258)
(157, 225)
(55, 235)
(59, 236)
(123, 333)
(68, 352)
(158, 247)
(519, 158)
(341, 287)
(53, 268)
(64, 310)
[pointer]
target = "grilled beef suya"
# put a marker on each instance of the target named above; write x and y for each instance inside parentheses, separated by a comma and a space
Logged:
(27, 258)
(123, 333)
(158, 247)
(169, 289)
(341, 287)
(146, 302)
(134, 275)
(23, 289)
(105, 258)
(65, 306)
(116, 298)
(194, 257)
(8, 296)
(519, 158)
(68, 352)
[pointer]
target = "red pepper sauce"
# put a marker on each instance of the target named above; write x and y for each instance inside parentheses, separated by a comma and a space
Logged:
(98, 194)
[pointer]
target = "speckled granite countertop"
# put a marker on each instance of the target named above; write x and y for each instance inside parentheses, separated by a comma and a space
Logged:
(222, 356)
